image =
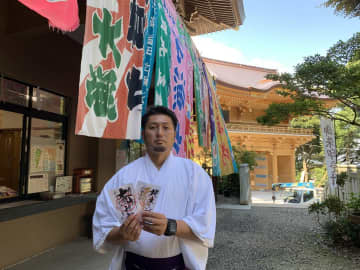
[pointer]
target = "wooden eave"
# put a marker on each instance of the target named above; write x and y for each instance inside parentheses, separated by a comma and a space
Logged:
(249, 89)
(206, 16)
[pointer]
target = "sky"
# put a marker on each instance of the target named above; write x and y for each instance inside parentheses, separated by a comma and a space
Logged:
(278, 34)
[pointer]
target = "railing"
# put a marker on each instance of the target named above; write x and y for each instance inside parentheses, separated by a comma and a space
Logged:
(249, 128)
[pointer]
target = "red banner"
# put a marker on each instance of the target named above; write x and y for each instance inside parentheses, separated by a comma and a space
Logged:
(62, 14)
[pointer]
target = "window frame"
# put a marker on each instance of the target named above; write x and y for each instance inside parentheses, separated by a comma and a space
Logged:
(28, 114)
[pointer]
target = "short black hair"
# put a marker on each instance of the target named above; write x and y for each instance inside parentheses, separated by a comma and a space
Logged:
(154, 110)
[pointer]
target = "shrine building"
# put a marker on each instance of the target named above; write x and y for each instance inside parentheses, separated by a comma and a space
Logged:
(244, 94)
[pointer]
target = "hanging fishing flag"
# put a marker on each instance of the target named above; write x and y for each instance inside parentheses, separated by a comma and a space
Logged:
(62, 14)
(189, 88)
(179, 97)
(111, 78)
(223, 157)
(150, 38)
(163, 58)
(201, 99)
(214, 143)
(226, 155)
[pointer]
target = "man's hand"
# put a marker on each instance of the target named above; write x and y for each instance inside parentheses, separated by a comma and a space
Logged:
(155, 223)
(130, 230)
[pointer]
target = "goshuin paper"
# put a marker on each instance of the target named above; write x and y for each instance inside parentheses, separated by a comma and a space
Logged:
(128, 200)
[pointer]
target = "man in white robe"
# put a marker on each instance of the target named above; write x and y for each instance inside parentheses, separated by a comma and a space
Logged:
(183, 219)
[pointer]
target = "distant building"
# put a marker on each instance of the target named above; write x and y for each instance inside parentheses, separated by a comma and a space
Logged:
(244, 94)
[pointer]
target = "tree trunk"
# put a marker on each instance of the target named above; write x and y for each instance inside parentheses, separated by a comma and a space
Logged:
(305, 170)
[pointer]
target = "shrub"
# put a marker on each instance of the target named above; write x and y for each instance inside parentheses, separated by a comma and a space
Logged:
(229, 185)
(343, 231)
(332, 216)
(332, 207)
(354, 203)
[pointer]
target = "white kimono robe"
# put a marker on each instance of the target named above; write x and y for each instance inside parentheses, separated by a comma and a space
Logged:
(186, 194)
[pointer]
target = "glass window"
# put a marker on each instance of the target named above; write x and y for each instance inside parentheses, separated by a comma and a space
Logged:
(46, 101)
(45, 148)
(308, 195)
(226, 115)
(47, 153)
(14, 92)
(10, 148)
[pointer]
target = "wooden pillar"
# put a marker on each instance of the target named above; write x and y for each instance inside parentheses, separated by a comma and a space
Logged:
(292, 165)
(275, 165)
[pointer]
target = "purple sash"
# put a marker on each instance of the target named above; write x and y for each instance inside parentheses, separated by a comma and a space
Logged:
(137, 262)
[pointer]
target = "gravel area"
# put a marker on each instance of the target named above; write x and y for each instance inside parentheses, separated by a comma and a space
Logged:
(274, 238)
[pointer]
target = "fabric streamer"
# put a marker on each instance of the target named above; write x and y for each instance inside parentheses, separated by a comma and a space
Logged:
(163, 58)
(150, 50)
(111, 79)
(122, 40)
(201, 100)
(62, 14)
(180, 95)
(223, 158)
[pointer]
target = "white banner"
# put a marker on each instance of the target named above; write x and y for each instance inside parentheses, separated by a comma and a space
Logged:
(328, 135)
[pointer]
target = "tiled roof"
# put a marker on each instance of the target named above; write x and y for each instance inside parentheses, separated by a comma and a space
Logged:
(240, 76)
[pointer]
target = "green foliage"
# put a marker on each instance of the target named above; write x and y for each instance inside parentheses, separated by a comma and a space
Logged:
(334, 205)
(317, 208)
(229, 185)
(341, 179)
(354, 203)
(335, 76)
(347, 137)
(311, 151)
(244, 156)
(342, 231)
(348, 8)
(319, 174)
(346, 52)
(205, 159)
(337, 225)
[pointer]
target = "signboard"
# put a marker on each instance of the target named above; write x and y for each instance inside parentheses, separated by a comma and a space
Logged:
(64, 184)
(38, 183)
(328, 134)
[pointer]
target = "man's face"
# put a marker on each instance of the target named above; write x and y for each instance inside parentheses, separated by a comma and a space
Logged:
(159, 134)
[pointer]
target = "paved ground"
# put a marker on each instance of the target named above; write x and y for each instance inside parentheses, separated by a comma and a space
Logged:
(273, 238)
(249, 238)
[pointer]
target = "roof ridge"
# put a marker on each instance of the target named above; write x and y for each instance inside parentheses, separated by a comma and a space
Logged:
(210, 60)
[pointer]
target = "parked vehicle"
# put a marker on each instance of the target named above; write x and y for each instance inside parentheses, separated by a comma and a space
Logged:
(299, 195)
(279, 186)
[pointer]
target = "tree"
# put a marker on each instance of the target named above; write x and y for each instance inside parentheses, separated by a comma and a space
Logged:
(308, 155)
(347, 141)
(349, 8)
(335, 76)
(244, 156)
(204, 158)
